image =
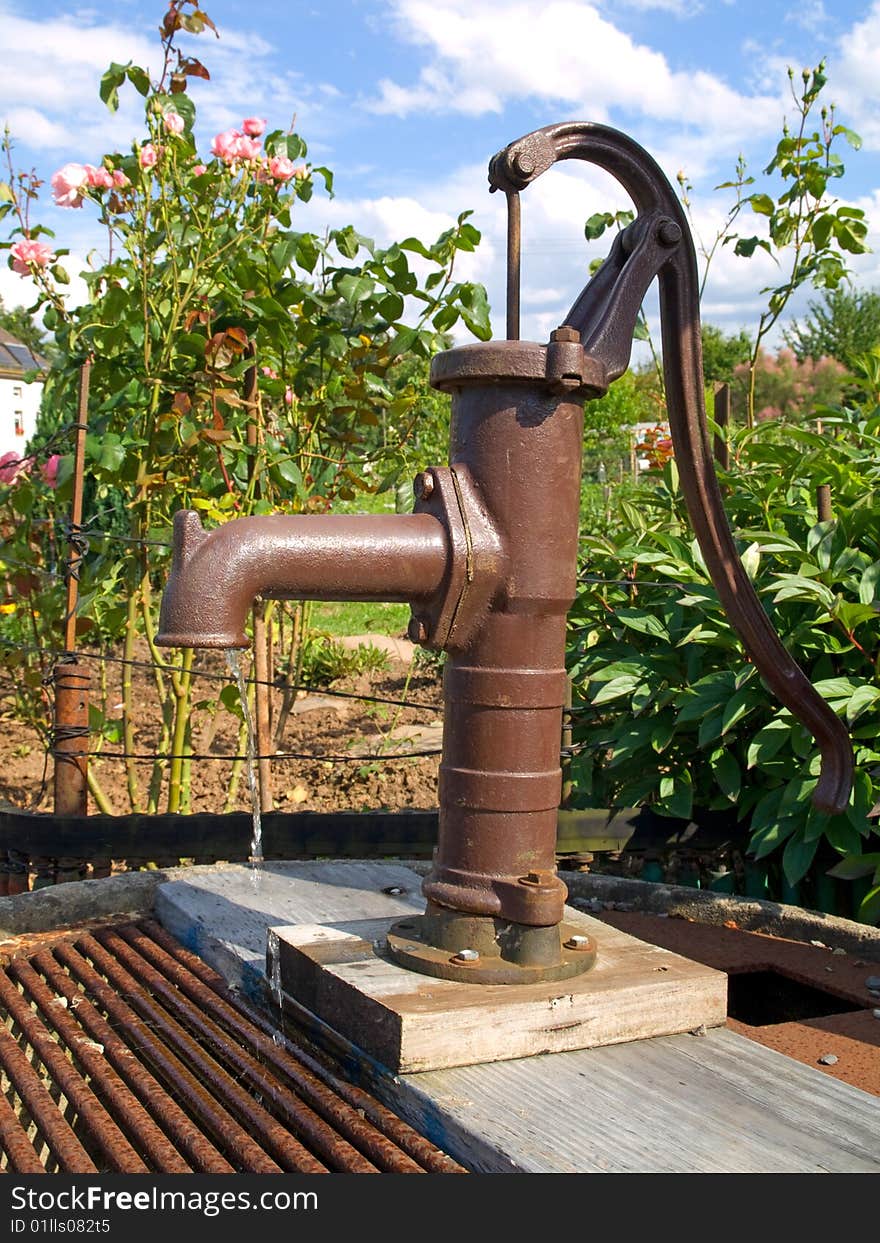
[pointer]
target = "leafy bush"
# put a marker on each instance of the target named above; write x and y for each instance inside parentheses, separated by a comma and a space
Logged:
(671, 711)
(326, 659)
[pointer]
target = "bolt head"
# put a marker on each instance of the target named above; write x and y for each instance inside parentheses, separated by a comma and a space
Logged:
(467, 955)
(578, 943)
(423, 485)
(524, 163)
(531, 878)
(417, 630)
(669, 233)
(565, 333)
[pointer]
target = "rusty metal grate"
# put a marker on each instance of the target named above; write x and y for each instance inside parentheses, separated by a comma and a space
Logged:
(123, 1053)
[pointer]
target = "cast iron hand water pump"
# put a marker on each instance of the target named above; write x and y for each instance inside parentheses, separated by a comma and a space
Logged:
(487, 561)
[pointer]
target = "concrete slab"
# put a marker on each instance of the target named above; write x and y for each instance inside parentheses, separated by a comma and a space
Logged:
(693, 1103)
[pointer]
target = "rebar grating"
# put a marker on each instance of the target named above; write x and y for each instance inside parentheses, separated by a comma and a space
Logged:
(122, 1052)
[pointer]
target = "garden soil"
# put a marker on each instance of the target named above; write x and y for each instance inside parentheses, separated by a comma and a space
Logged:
(367, 742)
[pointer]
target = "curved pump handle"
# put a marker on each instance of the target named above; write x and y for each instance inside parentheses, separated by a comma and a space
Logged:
(658, 242)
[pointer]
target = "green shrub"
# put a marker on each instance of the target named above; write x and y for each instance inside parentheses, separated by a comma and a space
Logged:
(671, 711)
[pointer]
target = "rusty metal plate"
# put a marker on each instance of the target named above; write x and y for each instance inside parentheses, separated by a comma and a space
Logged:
(408, 947)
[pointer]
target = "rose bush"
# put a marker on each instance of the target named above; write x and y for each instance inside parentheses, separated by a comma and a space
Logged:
(210, 314)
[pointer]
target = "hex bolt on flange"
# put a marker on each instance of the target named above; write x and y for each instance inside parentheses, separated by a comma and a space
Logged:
(466, 956)
(423, 485)
(416, 631)
(578, 942)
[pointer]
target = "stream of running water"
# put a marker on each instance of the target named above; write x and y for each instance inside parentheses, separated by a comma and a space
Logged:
(256, 856)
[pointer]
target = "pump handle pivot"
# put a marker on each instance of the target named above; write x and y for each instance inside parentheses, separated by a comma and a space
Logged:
(658, 242)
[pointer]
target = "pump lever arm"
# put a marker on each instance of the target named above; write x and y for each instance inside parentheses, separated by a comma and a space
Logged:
(604, 316)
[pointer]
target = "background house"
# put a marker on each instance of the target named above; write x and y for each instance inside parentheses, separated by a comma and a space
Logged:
(19, 401)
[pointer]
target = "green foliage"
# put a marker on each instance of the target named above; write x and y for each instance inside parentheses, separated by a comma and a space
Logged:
(672, 713)
(608, 421)
(723, 353)
(844, 325)
(326, 659)
(17, 321)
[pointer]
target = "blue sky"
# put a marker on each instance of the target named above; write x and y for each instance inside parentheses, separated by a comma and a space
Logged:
(407, 99)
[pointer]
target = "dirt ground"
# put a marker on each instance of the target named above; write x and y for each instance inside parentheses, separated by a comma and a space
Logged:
(321, 724)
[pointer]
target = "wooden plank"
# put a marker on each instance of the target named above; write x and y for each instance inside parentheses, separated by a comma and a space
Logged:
(412, 1022)
(689, 1104)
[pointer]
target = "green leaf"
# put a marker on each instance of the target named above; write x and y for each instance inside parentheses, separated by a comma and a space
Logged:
(597, 224)
(746, 246)
(727, 774)
(353, 287)
(140, 80)
(768, 742)
(770, 838)
(869, 910)
(644, 622)
(869, 583)
(797, 857)
(864, 698)
(615, 688)
(475, 310)
(762, 204)
(855, 866)
(842, 835)
(110, 84)
(738, 706)
(710, 729)
(677, 795)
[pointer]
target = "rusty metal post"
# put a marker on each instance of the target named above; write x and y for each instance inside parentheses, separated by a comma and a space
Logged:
(70, 741)
(262, 658)
(824, 512)
(722, 422)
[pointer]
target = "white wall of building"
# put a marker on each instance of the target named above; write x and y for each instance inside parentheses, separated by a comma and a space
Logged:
(19, 404)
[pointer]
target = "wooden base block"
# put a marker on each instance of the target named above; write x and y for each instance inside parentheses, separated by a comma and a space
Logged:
(411, 1022)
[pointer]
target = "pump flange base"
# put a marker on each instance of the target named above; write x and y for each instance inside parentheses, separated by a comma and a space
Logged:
(409, 947)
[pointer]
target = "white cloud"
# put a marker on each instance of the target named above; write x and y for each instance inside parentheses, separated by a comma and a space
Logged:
(49, 88)
(856, 80)
(484, 53)
(679, 8)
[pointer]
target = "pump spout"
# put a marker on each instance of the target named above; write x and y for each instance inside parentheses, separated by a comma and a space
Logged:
(216, 575)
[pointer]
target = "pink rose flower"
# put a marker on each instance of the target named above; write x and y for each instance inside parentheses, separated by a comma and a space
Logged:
(288, 396)
(223, 145)
(28, 252)
(148, 156)
(174, 123)
(270, 372)
(231, 145)
(199, 169)
(120, 181)
(281, 168)
(11, 466)
(253, 126)
(246, 148)
(100, 178)
(49, 470)
(68, 184)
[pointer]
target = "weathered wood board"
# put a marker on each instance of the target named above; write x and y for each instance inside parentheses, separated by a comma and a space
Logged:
(411, 1022)
(674, 1104)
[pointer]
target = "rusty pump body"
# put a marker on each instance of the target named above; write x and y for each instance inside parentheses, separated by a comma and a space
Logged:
(488, 561)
